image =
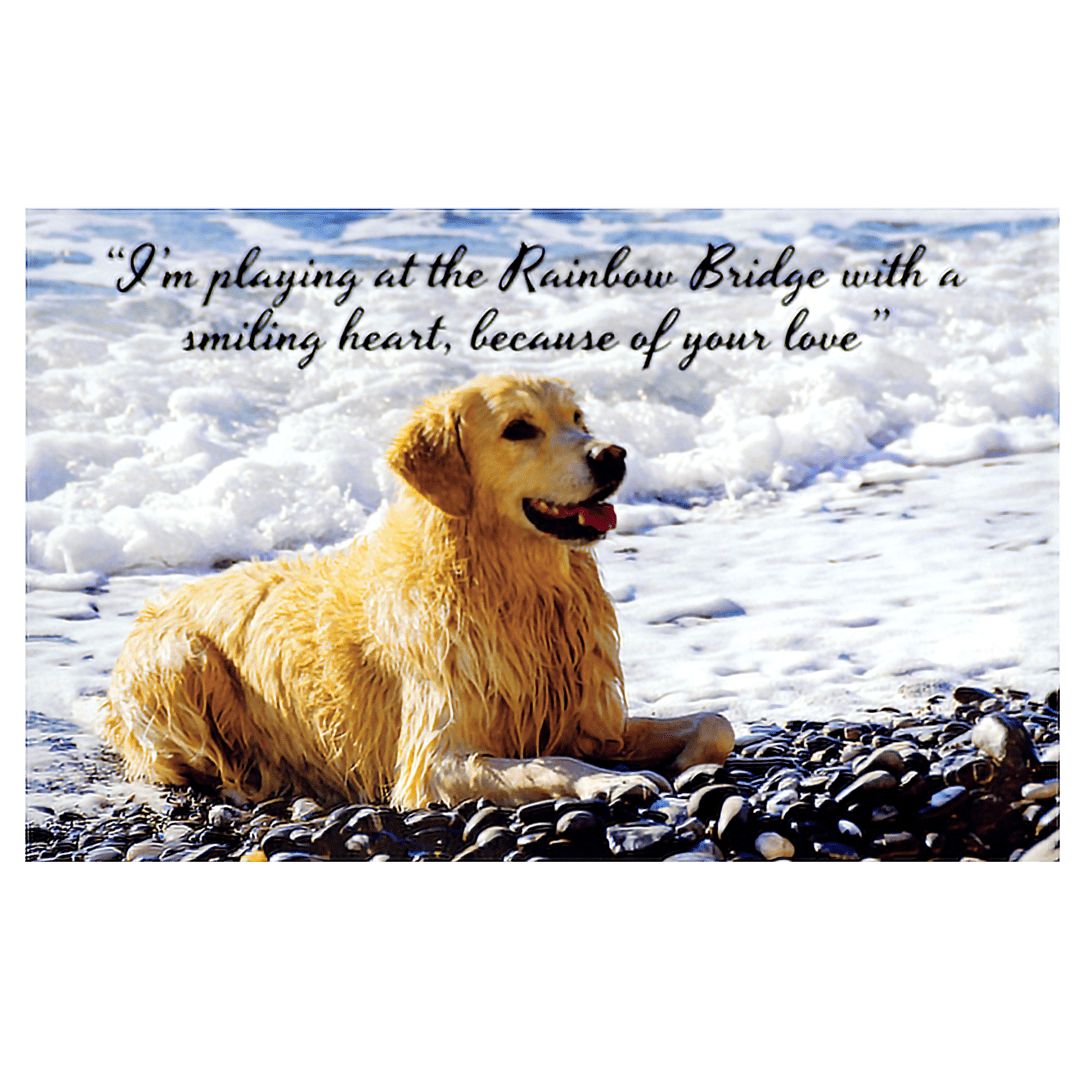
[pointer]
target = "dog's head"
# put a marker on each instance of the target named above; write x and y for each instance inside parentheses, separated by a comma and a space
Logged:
(512, 449)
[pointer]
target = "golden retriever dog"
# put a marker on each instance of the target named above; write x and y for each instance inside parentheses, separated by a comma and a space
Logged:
(465, 647)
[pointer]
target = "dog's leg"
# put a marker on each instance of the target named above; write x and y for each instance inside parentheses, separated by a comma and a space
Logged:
(177, 715)
(682, 740)
(513, 781)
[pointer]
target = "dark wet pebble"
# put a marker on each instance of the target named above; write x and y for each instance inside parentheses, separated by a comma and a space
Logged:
(697, 776)
(883, 758)
(103, 853)
(833, 849)
(870, 785)
(944, 802)
(898, 845)
(542, 810)
(493, 843)
(705, 802)
(483, 819)
(579, 823)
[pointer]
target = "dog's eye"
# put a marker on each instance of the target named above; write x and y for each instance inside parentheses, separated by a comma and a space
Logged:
(577, 418)
(517, 430)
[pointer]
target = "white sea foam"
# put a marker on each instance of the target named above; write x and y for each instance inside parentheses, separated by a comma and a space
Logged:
(798, 530)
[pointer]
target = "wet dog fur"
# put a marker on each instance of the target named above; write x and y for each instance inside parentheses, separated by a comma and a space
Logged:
(465, 647)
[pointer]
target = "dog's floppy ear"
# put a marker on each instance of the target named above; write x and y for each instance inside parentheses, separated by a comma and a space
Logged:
(428, 454)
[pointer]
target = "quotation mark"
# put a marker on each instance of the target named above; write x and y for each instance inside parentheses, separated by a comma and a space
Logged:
(119, 253)
(881, 313)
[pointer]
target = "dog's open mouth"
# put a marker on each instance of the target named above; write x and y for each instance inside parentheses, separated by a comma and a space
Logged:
(579, 521)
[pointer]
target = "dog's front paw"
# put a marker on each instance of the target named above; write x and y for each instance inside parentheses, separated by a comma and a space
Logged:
(639, 787)
(711, 743)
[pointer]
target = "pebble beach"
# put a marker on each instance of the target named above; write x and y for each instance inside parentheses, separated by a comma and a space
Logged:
(969, 777)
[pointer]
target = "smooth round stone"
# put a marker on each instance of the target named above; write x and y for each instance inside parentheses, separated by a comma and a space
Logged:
(849, 828)
(882, 815)
(289, 856)
(1004, 739)
(1050, 755)
(946, 801)
(484, 819)
(771, 845)
(541, 811)
(427, 819)
(832, 849)
(534, 842)
(772, 748)
(594, 806)
(342, 815)
(697, 776)
(358, 844)
(970, 695)
(305, 809)
(1037, 792)
(935, 843)
(279, 838)
(798, 810)
(968, 770)
(638, 839)
(1046, 850)
(496, 840)
(735, 808)
(705, 803)
(147, 849)
(915, 760)
(780, 800)
(1048, 821)
(537, 827)
(176, 832)
(671, 808)
(578, 823)
(896, 845)
(103, 853)
(870, 782)
(883, 758)
(223, 816)
(708, 849)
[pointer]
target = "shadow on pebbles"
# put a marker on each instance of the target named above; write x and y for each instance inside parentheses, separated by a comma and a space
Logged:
(972, 776)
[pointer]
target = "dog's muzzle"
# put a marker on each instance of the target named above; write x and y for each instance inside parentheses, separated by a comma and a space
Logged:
(588, 520)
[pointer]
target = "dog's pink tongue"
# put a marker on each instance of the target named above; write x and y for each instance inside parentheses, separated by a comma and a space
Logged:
(601, 518)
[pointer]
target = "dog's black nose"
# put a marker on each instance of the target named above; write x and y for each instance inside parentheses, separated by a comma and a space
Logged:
(607, 463)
